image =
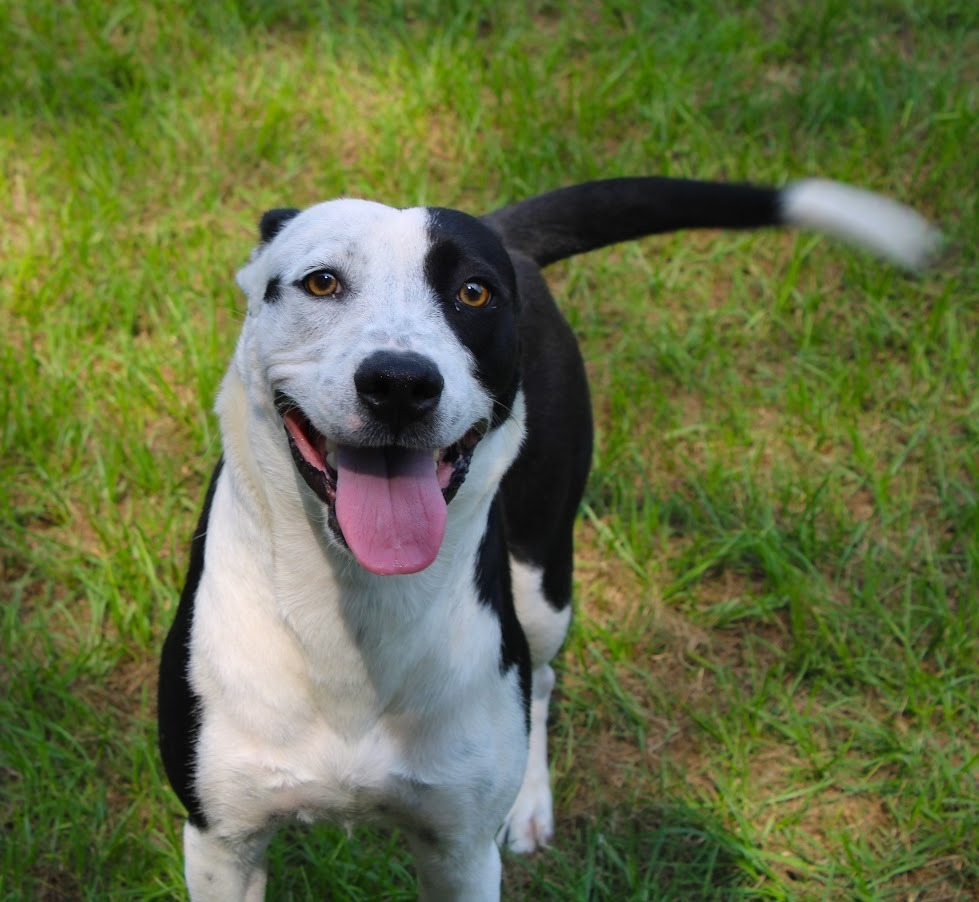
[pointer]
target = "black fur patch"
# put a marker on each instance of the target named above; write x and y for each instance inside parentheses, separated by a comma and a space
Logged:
(462, 248)
(273, 221)
(178, 705)
(273, 290)
(496, 592)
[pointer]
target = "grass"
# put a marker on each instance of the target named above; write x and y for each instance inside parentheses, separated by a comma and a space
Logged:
(770, 691)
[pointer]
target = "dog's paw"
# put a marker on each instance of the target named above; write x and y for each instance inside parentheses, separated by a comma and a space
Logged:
(530, 823)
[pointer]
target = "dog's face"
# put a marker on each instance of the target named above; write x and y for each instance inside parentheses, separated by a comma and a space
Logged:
(386, 341)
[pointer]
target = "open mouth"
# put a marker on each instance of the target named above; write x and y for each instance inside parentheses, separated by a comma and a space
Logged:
(387, 503)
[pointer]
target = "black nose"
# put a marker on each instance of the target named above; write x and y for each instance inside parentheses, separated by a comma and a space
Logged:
(398, 387)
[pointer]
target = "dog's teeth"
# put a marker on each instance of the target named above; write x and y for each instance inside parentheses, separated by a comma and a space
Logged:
(328, 451)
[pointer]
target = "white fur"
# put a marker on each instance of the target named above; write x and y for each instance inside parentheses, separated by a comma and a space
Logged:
(877, 223)
(530, 824)
(544, 625)
(216, 871)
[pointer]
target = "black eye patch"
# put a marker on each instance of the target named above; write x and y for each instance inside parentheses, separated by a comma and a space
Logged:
(273, 290)
(462, 250)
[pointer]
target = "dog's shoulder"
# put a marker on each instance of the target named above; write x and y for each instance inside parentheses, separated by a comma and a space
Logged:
(177, 702)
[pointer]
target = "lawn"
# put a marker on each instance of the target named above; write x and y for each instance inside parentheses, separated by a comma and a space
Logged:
(771, 690)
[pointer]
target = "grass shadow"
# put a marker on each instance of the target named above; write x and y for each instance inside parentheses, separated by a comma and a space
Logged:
(657, 853)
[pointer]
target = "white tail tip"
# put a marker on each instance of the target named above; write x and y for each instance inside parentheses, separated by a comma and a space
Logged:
(877, 223)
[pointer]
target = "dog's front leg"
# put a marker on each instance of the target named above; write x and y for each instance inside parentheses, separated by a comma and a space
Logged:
(219, 872)
(453, 871)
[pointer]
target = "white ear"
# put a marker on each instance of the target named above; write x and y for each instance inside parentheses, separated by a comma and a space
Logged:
(881, 225)
(251, 278)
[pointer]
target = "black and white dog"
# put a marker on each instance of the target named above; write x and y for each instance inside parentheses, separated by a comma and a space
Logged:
(382, 570)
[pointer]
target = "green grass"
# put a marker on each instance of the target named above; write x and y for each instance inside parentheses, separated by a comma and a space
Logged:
(770, 691)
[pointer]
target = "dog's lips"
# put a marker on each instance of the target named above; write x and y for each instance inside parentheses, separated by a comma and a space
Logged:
(314, 455)
(389, 504)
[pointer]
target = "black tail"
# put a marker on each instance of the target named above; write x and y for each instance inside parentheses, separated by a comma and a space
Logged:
(585, 217)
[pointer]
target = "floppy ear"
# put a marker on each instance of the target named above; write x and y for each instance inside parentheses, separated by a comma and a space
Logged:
(251, 278)
(273, 221)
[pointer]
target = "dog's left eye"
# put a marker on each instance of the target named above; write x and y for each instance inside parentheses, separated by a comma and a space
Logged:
(322, 284)
(475, 294)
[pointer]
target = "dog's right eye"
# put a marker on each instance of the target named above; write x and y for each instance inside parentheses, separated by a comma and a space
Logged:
(321, 284)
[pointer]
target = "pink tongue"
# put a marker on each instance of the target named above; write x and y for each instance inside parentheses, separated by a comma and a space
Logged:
(390, 507)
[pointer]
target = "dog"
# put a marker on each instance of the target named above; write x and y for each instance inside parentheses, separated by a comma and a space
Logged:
(382, 570)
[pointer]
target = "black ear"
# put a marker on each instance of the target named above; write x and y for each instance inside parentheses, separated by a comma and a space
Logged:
(273, 221)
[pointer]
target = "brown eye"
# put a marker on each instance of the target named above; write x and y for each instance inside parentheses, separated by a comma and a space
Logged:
(474, 294)
(321, 284)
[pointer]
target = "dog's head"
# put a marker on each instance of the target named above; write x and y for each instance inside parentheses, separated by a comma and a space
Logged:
(386, 342)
